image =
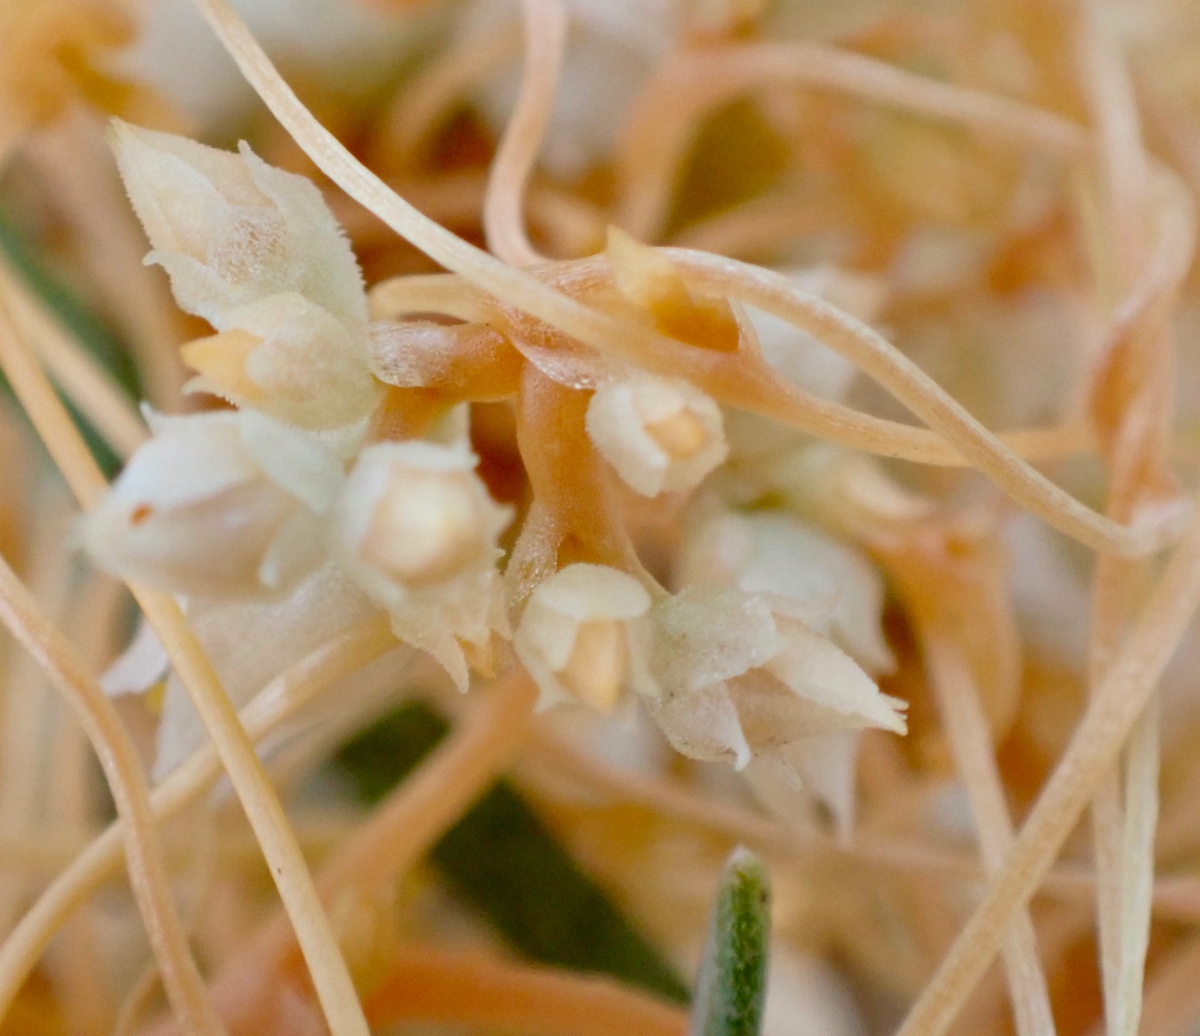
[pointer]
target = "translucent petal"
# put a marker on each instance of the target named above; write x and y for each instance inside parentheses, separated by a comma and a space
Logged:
(838, 590)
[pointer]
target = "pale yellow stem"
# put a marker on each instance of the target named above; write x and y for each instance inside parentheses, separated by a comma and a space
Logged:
(95, 393)
(1092, 751)
(665, 119)
(876, 356)
(429, 97)
(970, 739)
(508, 178)
(1175, 898)
(395, 836)
(1125, 810)
(123, 770)
(27, 702)
(282, 698)
(624, 338)
(263, 809)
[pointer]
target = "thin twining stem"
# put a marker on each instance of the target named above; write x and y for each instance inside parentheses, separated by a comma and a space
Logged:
(663, 123)
(602, 332)
(395, 836)
(881, 360)
(123, 771)
(86, 384)
(1175, 898)
(267, 819)
(665, 118)
(1093, 749)
(430, 95)
(1125, 806)
(504, 201)
(966, 728)
(450, 295)
(277, 702)
(469, 988)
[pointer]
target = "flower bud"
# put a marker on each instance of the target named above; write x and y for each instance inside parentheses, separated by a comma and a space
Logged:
(658, 434)
(216, 505)
(288, 358)
(416, 529)
(573, 636)
(728, 676)
(834, 589)
(230, 229)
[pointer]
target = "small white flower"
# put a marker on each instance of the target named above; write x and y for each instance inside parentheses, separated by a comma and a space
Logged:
(729, 676)
(574, 634)
(217, 505)
(257, 253)
(230, 229)
(416, 529)
(289, 358)
(838, 591)
(659, 434)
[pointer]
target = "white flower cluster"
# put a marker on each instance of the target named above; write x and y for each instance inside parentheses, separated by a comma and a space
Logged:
(250, 502)
(343, 482)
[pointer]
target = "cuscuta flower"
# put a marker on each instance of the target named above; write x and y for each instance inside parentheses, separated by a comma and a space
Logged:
(416, 528)
(255, 251)
(394, 503)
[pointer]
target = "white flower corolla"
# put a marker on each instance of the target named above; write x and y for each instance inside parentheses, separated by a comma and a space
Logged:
(289, 358)
(730, 675)
(257, 253)
(218, 505)
(658, 434)
(573, 637)
(415, 527)
(838, 590)
(230, 229)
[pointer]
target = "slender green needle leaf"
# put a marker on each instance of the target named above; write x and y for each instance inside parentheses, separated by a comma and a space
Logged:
(731, 989)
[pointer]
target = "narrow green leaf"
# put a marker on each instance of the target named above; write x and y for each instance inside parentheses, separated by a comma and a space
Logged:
(502, 861)
(731, 989)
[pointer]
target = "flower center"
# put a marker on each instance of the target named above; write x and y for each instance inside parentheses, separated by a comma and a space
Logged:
(426, 528)
(593, 672)
(681, 435)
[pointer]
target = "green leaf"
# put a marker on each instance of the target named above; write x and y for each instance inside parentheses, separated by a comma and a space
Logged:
(502, 861)
(731, 988)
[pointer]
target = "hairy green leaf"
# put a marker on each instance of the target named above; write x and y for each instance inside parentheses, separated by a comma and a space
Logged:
(731, 989)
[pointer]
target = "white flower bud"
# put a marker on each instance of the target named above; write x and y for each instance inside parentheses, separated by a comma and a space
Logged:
(288, 358)
(836, 590)
(216, 505)
(573, 638)
(728, 677)
(416, 529)
(658, 434)
(230, 229)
